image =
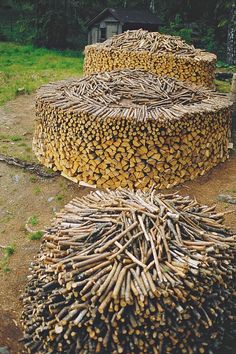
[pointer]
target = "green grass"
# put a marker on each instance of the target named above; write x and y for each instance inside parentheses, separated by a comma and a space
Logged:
(24, 68)
(7, 253)
(37, 190)
(15, 138)
(59, 197)
(37, 235)
(223, 86)
(32, 179)
(222, 66)
(33, 220)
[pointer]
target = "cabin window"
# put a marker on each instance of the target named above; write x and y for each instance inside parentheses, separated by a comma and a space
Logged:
(103, 34)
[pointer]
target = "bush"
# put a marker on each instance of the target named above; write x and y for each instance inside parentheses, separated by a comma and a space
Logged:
(178, 28)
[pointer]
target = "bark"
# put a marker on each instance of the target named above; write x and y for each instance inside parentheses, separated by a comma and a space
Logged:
(231, 42)
(152, 6)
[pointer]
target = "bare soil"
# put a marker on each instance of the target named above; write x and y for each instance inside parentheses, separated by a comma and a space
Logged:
(22, 195)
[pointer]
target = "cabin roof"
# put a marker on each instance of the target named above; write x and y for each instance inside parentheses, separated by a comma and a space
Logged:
(127, 16)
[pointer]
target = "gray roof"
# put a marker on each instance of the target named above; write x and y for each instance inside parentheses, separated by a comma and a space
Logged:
(128, 16)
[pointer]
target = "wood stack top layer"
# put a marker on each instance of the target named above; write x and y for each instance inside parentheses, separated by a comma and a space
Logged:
(154, 43)
(131, 94)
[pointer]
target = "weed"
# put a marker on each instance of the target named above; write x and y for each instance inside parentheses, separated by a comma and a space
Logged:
(7, 253)
(37, 190)
(37, 235)
(222, 86)
(59, 197)
(15, 138)
(33, 179)
(33, 220)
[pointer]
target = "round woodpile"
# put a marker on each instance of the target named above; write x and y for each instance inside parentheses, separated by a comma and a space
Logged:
(154, 52)
(130, 128)
(125, 272)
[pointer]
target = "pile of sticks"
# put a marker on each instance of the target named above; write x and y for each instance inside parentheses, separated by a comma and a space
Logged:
(154, 52)
(153, 42)
(130, 128)
(125, 272)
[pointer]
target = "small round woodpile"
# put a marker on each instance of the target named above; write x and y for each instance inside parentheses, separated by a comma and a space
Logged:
(154, 52)
(125, 272)
(130, 128)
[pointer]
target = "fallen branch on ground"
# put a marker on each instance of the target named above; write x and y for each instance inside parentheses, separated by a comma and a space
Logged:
(29, 166)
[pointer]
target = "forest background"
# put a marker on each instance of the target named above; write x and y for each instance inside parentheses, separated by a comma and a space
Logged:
(61, 24)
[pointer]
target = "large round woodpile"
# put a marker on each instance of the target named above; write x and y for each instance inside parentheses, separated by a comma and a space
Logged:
(125, 272)
(130, 128)
(154, 52)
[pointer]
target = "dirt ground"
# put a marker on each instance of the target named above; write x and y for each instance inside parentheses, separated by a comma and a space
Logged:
(22, 195)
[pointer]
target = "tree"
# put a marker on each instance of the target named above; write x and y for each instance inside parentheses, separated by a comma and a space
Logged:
(231, 40)
(51, 23)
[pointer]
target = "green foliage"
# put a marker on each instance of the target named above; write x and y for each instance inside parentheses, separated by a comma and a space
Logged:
(223, 65)
(177, 28)
(7, 252)
(24, 66)
(15, 138)
(37, 190)
(62, 23)
(32, 179)
(222, 86)
(37, 235)
(59, 197)
(208, 40)
(33, 220)
(51, 23)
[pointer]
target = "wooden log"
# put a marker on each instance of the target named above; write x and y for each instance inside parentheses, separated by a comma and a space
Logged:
(130, 129)
(115, 305)
(154, 52)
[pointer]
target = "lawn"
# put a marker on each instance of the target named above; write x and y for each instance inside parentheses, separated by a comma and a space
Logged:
(23, 68)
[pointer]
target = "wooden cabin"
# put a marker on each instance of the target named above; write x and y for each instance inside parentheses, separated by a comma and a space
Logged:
(115, 21)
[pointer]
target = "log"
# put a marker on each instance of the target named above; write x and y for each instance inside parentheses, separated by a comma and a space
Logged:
(92, 296)
(130, 128)
(154, 52)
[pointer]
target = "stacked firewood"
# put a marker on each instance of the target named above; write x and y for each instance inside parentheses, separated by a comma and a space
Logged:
(154, 52)
(125, 272)
(130, 128)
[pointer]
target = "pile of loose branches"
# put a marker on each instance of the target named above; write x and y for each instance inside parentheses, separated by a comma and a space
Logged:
(125, 272)
(153, 42)
(130, 93)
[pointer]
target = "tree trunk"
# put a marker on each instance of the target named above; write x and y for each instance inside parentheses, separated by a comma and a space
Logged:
(231, 41)
(152, 6)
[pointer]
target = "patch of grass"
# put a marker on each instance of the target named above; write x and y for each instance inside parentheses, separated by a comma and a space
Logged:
(222, 86)
(9, 138)
(59, 197)
(33, 220)
(32, 179)
(23, 68)
(37, 235)
(233, 190)
(37, 190)
(15, 138)
(7, 253)
(225, 67)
